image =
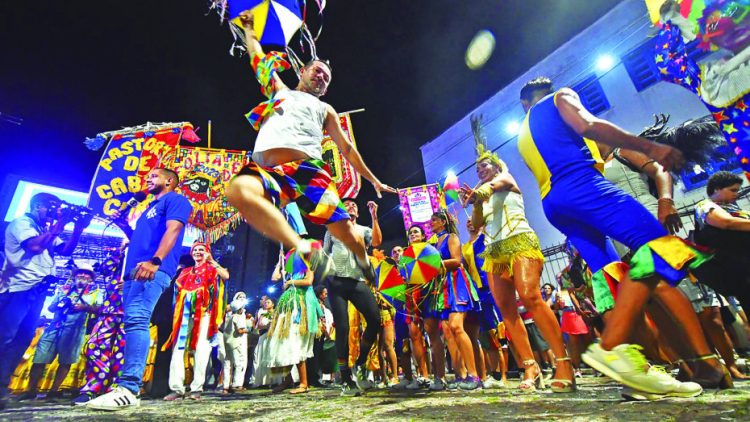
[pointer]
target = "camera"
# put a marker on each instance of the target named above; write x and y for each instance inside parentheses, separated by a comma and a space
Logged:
(76, 212)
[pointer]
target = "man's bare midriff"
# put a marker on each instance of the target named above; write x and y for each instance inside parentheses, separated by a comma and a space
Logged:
(274, 157)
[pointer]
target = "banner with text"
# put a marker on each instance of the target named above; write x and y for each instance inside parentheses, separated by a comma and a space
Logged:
(418, 203)
(126, 161)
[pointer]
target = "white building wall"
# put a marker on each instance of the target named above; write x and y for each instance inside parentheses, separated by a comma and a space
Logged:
(625, 27)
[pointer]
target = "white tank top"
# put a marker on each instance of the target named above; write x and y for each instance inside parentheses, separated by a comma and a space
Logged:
(504, 216)
(296, 124)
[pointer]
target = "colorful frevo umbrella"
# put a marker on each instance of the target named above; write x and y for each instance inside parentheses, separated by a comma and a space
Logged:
(390, 281)
(295, 266)
(450, 187)
(421, 262)
(275, 21)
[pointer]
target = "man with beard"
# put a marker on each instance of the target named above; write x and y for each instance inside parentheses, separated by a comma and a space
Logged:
(149, 267)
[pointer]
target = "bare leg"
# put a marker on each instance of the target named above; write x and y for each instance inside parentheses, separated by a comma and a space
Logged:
(303, 385)
(457, 362)
(60, 375)
(526, 276)
(471, 326)
(463, 342)
(631, 298)
(246, 193)
(504, 293)
(34, 376)
(432, 326)
(680, 309)
(418, 348)
(714, 328)
(389, 336)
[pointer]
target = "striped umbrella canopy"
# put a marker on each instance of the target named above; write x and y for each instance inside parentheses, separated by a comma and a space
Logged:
(421, 262)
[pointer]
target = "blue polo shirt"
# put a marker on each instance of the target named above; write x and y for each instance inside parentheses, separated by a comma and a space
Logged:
(151, 227)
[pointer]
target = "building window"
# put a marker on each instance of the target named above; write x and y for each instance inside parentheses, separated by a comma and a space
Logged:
(592, 95)
(641, 67)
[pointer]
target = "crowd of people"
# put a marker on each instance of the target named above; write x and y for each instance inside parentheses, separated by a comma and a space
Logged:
(635, 298)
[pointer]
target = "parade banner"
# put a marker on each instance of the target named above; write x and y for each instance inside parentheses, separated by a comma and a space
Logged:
(419, 203)
(204, 174)
(348, 181)
(129, 156)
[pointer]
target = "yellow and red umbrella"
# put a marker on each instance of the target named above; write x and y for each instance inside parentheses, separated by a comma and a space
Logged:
(390, 281)
(421, 262)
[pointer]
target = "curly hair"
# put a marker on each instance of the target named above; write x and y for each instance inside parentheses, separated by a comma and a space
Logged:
(721, 180)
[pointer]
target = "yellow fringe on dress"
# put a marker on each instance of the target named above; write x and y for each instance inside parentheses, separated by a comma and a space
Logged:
(501, 256)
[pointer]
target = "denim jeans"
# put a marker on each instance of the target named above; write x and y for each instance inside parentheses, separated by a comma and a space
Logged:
(139, 300)
(19, 317)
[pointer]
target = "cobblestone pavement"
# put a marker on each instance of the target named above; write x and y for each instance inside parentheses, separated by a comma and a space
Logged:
(596, 399)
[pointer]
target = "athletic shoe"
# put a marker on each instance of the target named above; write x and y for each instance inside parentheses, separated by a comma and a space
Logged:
(418, 383)
(491, 382)
(470, 383)
(174, 396)
(626, 364)
(404, 383)
(679, 389)
(453, 385)
(27, 395)
(360, 377)
(350, 389)
(438, 385)
(118, 398)
(82, 399)
(53, 395)
(320, 263)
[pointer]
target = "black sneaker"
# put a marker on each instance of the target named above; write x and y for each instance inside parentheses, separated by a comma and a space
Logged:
(27, 395)
(82, 399)
(54, 395)
(350, 389)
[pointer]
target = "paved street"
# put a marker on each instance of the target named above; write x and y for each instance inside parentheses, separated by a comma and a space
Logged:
(597, 399)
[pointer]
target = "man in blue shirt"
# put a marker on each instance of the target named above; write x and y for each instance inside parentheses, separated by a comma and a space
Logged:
(150, 264)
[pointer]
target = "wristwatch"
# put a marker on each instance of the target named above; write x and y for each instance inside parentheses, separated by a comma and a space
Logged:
(156, 261)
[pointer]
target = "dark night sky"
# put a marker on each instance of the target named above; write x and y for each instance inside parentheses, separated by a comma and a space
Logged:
(73, 69)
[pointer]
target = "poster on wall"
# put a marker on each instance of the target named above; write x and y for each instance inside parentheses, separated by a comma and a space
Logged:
(418, 203)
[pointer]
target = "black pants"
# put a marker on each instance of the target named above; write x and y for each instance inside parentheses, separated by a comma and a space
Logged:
(340, 291)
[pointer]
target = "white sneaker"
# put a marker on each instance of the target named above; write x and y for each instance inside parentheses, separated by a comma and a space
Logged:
(626, 364)
(492, 383)
(360, 378)
(119, 398)
(679, 389)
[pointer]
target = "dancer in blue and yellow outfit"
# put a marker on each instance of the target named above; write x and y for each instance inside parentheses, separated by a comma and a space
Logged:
(582, 204)
(459, 293)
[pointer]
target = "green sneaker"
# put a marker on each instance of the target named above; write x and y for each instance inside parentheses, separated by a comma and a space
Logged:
(627, 365)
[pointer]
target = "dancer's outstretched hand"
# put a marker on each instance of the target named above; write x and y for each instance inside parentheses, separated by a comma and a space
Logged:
(668, 215)
(466, 195)
(382, 187)
(669, 158)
